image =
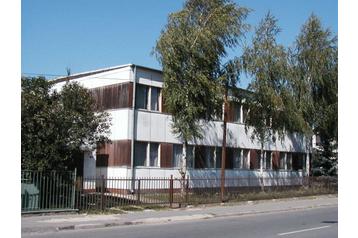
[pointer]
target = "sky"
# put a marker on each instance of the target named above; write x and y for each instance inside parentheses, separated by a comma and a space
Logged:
(87, 35)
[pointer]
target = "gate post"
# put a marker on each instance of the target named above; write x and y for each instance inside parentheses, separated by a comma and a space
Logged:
(138, 192)
(187, 190)
(171, 191)
(102, 192)
(74, 189)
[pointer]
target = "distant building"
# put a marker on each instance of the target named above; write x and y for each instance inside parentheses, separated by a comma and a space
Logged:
(143, 144)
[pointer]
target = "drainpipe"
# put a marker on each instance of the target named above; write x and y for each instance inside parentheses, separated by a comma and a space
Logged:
(133, 127)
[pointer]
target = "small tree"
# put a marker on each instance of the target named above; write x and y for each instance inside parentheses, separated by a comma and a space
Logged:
(190, 49)
(54, 125)
(271, 107)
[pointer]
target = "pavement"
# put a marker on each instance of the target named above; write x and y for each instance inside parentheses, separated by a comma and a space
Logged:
(37, 224)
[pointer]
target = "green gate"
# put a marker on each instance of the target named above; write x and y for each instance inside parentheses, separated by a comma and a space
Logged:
(47, 191)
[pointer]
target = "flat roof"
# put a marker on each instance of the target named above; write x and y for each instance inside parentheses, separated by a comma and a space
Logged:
(98, 71)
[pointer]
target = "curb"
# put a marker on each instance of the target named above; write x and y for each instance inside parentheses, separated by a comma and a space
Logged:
(161, 220)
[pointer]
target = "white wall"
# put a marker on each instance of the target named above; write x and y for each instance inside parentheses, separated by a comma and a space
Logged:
(115, 76)
(121, 128)
(156, 127)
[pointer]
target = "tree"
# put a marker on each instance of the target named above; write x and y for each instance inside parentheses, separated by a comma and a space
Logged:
(314, 64)
(55, 125)
(190, 50)
(271, 106)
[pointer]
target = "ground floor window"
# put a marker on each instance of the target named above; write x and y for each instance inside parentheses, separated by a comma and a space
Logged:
(245, 159)
(289, 161)
(146, 154)
(268, 162)
(282, 160)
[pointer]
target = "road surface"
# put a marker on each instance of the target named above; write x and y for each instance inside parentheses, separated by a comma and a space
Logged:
(314, 222)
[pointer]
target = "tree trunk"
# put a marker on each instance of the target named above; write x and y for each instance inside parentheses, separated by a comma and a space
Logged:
(183, 171)
(261, 166)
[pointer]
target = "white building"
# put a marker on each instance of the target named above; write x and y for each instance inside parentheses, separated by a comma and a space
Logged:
(143, 144)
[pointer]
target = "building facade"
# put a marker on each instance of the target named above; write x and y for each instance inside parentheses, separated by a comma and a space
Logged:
(143, 145)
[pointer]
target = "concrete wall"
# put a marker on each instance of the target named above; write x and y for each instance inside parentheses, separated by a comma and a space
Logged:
(153, 126)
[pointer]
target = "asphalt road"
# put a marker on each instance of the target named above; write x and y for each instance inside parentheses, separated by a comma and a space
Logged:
(315, 222)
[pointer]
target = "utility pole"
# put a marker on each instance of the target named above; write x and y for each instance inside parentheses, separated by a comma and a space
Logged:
(223, 152)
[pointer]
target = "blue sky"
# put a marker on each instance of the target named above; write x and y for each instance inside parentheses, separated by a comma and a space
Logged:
(86, 35)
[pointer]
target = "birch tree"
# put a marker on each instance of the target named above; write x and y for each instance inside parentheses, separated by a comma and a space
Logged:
(190, 50)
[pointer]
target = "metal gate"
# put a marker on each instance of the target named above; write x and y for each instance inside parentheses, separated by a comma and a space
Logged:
(47, 191)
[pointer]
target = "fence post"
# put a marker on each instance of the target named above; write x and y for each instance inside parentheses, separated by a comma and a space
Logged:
(187, 190)
(102, 192)
(74, 189)
(138, 192)
(171, 191)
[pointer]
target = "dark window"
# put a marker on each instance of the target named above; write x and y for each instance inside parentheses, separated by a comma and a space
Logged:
(199, 157)
(268, 160)
(153, 155)
(177, 155)
(218, 152)
(102, 160)
(154, 101)
(140, 153)
(282, 160)
(141, 99)
(190, 156)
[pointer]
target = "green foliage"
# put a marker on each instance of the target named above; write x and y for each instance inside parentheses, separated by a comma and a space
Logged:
(271, 105)
(190, 49)
(314, 64)
(54, 126)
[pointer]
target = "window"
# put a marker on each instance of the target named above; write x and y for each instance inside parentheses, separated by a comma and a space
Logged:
(141, 98)
(102, 160)
(190, 150)
(140, 153)
(218, 155)
(268, 160)
(154, 155)
(236, 158)
(245, 159)
(282, 160)
(209, 157)
(289, 161)
(154, 99)
(297, 161)
(146, 154)
(244, 113)
(147, 97)
(177, 155)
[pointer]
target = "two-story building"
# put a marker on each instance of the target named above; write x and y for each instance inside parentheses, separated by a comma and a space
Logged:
(143, 144)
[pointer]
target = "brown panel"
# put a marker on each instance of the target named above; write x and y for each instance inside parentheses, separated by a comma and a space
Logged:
(253, 159)
(119, 152)
(166, 155)
(113, 96)
(275, 160)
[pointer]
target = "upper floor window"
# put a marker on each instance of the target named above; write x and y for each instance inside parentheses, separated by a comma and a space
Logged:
(141, 97)
(147, 97)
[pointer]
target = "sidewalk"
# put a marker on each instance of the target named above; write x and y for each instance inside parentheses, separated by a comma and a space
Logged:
(55, 223)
